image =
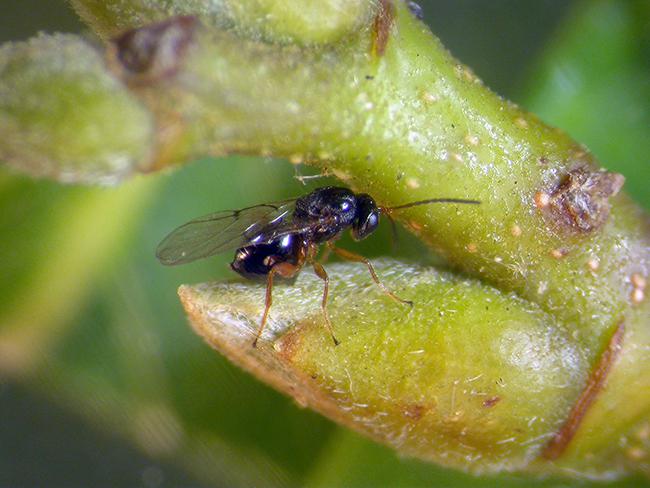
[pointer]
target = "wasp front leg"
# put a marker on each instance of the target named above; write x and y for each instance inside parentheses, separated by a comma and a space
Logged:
(285, 270)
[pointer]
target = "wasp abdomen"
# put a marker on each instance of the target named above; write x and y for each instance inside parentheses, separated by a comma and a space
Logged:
(256, 261)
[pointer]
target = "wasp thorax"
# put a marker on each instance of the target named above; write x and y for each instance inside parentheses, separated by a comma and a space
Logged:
(332, 207)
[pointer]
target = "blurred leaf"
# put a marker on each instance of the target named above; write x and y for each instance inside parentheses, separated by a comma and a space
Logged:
(57, 243)
(127, 364)
(594, 82)
(353, 461)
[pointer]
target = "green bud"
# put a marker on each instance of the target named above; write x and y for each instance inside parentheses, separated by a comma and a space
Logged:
(63, 115)
(469, 377)
(287, 21)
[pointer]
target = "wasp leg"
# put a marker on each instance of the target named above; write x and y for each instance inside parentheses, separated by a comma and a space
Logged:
(286, 270)
(322, 274)
(325, 256)
(350, 256)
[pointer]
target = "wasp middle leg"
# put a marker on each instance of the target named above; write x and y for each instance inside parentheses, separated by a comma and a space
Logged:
(322, 274)
(350, 256)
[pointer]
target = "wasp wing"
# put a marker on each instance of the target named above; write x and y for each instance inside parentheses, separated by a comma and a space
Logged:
(230, 229)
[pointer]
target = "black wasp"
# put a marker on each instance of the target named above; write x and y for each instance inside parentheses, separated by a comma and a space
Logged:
(279, 238)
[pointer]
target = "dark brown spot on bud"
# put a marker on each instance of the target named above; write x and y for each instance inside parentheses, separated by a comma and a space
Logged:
(559, 253)
(415, 411)
(154, 52)
(382, 26)
(491, 402)
(580, 202)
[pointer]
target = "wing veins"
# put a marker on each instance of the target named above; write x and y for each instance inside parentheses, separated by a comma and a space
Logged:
(208, 235)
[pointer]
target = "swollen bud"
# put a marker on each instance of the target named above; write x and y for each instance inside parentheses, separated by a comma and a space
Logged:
(469, 377)
(65, 116)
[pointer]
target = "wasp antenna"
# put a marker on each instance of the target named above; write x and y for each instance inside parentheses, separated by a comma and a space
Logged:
(431, 200)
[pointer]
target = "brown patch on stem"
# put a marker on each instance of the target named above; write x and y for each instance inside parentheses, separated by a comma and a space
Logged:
(595, 383)
(290, 343)
(542, 199)
(170, 133)
(639, 283)
(559, 253)
(381, 27)
(154, 52)
(491, 402)
(593, 264)
(414, 411)
(637, 296)
(580, 201)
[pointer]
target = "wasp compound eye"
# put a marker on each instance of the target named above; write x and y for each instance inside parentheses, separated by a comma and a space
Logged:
(367, 218)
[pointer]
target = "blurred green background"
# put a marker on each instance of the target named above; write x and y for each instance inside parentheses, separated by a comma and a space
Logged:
(101, 381)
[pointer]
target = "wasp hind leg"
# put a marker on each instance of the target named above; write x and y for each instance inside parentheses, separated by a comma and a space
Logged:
(322, 274)
(350, 256)
(285, 270)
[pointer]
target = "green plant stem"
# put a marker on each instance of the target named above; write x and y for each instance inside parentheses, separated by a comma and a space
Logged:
(390, 112)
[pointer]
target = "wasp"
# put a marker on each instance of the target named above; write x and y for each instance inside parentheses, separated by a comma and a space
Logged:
(277, 239)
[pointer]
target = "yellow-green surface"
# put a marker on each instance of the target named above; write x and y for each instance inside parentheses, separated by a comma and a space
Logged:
(469, 377)
(283, 21)
(63, 116)
(123, 360)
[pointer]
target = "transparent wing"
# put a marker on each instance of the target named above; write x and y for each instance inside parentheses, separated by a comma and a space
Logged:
(231, 229)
